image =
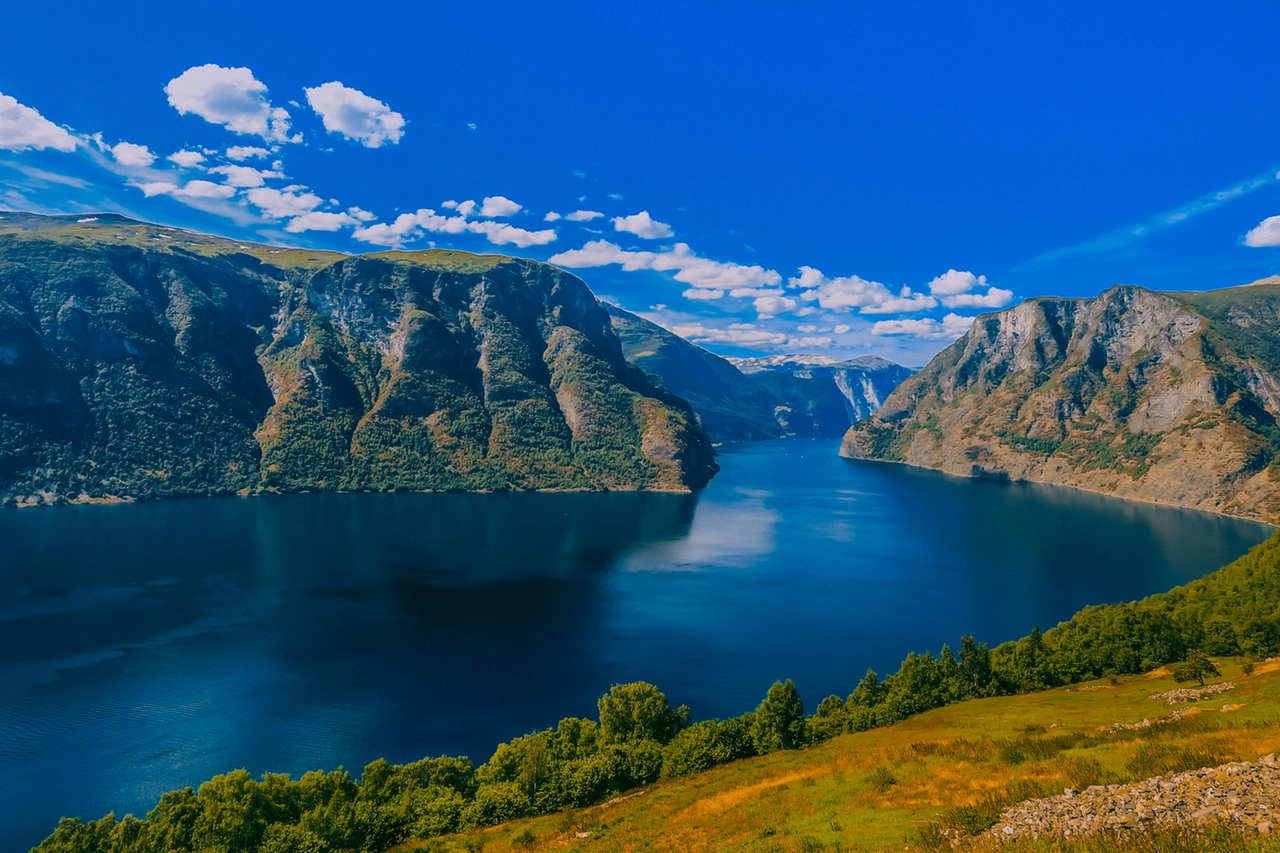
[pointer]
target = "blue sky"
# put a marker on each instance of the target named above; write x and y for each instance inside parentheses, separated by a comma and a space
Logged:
(834, 178)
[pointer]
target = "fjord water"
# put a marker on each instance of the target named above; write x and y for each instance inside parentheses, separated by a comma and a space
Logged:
(149, 646)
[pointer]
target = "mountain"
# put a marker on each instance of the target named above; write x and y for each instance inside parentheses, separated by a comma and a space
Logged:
(819, 395)
(731, 406)
(1165, 397)
(758, 398)
(141, 361)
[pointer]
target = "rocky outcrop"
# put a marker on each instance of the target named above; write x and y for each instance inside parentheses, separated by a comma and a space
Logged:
(140, 361)
(1242, 795)
(1160, 397)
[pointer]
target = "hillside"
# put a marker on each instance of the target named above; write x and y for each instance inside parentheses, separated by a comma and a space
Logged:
(141, 361)
(1164, 397)
(758, 398)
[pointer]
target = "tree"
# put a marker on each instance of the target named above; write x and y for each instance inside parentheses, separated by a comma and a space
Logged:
(639, 711)
(779, 721)
(1195, 668)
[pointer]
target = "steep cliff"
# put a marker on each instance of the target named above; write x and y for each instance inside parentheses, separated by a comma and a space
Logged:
(750, 399)
(1165, 397)
(140, 361)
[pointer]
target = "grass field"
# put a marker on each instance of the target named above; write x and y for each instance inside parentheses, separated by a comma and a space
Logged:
(925, 781)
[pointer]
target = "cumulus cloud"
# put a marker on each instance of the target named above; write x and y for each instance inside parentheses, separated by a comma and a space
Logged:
(868, 297)
(583, 215)
(24, 129)
(191, 190)
(772, 304)
(246, 152)
(688, 267)
(320, 221)
(186, 159)
(698, 294)
(128, 154)
(283, 204)
(1266, 234)
(642, 225)
(956, 290)
(951, 327)
(498, 206)
(231, 97)
(244, 176)
(842, 329)
(552, 217)
(355, 115)
(740, 334)
(408, 227)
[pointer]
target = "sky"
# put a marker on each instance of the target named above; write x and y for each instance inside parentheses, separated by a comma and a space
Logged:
(841, 179)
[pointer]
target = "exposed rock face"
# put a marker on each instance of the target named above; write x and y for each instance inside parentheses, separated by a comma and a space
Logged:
(142, 361)
(749, 399)
(819, 395)
(1162, 397)
(1242, 795)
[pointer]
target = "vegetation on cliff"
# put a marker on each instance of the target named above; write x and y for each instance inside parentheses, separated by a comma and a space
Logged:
(1166, 397)
(639, 738)
(139, 361)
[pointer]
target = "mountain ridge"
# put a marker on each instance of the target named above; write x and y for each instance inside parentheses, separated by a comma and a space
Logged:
(1165, 397)
(143, 361)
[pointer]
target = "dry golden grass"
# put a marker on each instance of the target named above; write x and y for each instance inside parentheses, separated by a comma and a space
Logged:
(887, 789)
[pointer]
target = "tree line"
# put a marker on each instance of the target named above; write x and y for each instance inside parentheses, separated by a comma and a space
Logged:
(639, 738)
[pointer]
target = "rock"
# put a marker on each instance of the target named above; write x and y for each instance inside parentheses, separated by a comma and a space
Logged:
(1263, 827)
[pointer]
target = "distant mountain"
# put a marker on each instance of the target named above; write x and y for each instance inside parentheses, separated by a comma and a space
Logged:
(818, 395)
(754, 399)
(1166, 397)
(140, 361)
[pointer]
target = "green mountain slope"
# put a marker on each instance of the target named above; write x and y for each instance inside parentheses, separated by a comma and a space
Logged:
(1165, 397)
(759, 398)
(140, 361)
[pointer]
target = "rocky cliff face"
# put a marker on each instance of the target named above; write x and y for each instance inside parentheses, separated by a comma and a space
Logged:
(142, 361)
(750, 399)
(1164, 397)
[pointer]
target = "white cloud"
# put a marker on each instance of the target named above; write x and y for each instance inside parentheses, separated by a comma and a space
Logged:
(498, 206)
(355, 115)
(952, 282)
(500, 233)
(192, 190)
(642, 225)
(186, 159)
(1266, 234)
(231, 97)
(956, 290)
(774, 304)
(951, 327)
(584, 215)
(411, 226)
(320, 221)
(842, 329)
(552, 217)
(868, 297)
(284, 204)
(246, 152)
(688, 267)
(740, 334)
(128, 154)
(993, 298)
(244, 176)
(22, 129)
(700, 294)
(463, 207)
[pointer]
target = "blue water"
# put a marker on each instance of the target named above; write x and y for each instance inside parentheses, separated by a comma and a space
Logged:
(146, 647)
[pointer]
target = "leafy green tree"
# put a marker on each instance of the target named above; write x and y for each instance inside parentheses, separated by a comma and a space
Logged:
(639, 711)
(779, 721)
(1195, 668)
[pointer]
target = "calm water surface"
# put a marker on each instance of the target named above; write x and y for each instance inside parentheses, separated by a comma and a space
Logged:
(147, 647)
